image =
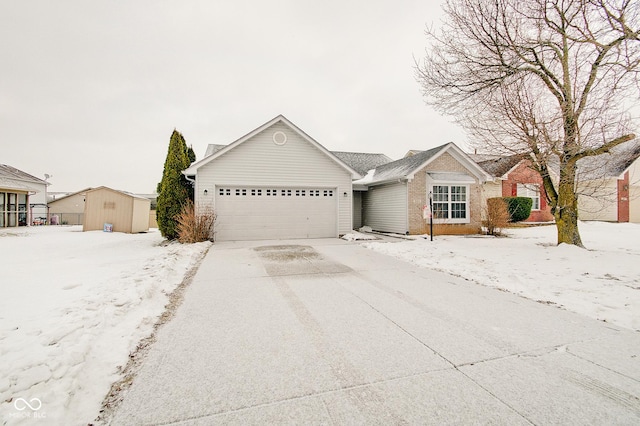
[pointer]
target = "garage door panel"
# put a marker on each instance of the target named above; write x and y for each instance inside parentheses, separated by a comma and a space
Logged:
(245, 213)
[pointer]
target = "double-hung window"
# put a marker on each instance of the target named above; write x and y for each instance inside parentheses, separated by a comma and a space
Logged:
(450, 203)
(532, 191)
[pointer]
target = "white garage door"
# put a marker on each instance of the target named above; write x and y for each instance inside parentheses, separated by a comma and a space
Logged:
(259, 213)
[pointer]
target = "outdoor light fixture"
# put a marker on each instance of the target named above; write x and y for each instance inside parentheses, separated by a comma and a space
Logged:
(206, 192)
(345, 194)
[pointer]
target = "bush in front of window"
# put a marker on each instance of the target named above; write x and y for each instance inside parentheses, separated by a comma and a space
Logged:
(519, 208)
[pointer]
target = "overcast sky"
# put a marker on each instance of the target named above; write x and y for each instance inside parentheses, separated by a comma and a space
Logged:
(90, 91)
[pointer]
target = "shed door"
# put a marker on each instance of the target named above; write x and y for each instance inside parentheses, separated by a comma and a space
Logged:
(261, 213)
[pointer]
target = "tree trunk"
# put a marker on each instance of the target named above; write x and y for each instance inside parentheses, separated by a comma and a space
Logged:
(566, 211)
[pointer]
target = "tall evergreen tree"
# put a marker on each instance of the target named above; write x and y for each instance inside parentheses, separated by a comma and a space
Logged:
(174, 188)
(191, 154)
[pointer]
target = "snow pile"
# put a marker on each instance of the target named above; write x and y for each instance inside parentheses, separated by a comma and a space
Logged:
(602, 282)
(73, 306)
(358, 236)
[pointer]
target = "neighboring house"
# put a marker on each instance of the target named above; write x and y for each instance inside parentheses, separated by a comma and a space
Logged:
(122, 211)
(68, 209)
(275, 182)
(397, 193)
(609, 185)
(23, 198)
(514, 176)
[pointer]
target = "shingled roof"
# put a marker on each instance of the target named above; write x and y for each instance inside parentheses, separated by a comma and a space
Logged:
(12, 178)
(404, 166)
(611, 164)
(498, 166)
(362, 162)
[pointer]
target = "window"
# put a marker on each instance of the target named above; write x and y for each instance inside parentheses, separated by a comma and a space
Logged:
(450, 203)
(532, 191)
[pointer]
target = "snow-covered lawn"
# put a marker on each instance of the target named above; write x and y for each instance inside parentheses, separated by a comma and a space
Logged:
(73, 306)
(602, 282)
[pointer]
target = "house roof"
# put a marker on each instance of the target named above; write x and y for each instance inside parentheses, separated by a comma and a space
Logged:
(13, 173)
(612, 164)
(362, 162)
(405, 168)
(498, 166)
(212, 148)
(191, 170)
(12, 178)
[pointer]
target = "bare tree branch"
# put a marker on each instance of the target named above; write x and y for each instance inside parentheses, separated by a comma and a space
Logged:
(547, 78)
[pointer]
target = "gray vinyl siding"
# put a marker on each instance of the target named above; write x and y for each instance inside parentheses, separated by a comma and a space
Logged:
(260, 162)
(357, 209)
(385, 208)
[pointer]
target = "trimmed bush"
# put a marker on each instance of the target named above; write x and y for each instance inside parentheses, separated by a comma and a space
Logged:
(519, 207)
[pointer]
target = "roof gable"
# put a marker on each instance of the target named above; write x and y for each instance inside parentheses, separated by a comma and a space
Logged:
(218, 152)
(406, 167)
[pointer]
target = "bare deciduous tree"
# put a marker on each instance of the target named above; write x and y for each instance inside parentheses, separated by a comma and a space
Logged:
(547, 78)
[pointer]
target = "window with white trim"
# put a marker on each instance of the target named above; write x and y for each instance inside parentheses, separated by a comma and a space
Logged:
(450, 203)
(532, 191)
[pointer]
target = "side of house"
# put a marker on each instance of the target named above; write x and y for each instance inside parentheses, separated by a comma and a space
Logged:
(609, 185)
(22, 198)
(514, 177)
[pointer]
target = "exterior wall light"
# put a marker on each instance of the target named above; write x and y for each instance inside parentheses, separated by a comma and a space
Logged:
(206, 192)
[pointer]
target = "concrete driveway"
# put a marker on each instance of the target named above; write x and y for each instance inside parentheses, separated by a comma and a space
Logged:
(328, 332)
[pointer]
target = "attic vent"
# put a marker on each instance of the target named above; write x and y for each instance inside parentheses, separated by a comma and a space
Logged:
(109, 205)
(279, 138)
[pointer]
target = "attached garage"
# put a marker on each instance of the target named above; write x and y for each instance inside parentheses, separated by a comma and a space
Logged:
(275, 213)
(276, 182)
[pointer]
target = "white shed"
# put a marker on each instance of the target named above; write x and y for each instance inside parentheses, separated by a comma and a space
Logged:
(276, 182)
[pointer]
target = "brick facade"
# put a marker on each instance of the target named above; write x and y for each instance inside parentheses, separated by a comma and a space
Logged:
(524, 174)
(417, 199)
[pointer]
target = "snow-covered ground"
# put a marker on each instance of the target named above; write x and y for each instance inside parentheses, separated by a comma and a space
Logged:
(602, 282)
(73, 306)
